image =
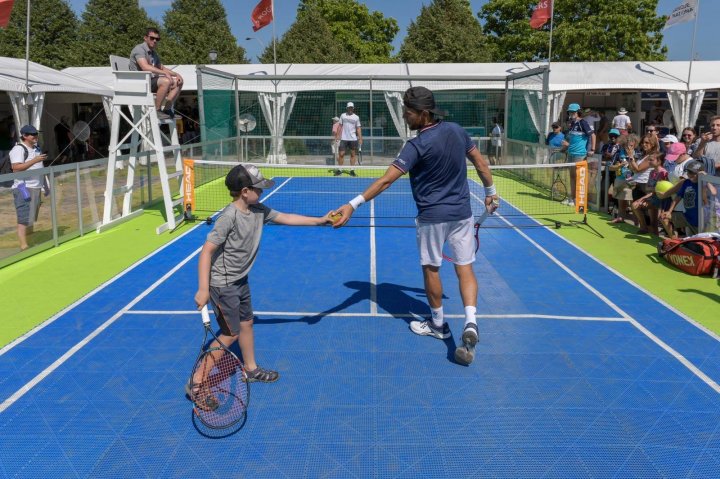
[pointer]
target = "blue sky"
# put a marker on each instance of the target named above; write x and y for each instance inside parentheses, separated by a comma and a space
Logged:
(678, 39)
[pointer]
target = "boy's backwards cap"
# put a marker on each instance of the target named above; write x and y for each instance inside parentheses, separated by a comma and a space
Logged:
(245, 176)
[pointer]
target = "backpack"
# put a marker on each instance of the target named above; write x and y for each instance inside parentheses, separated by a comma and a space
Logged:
(6, 166)
(697, 255)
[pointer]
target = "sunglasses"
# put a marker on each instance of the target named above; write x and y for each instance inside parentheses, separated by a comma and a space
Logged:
(651, 131)
(157, 39)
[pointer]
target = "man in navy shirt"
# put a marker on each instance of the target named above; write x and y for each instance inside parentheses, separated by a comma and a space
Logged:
(435, 161)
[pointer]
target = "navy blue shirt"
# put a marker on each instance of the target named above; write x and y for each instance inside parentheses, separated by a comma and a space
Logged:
(436, 161)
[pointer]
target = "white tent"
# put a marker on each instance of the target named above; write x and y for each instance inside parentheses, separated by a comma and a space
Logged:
(27, 96)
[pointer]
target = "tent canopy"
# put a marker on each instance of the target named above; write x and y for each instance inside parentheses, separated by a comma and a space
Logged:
(662, 76)
(42, 79)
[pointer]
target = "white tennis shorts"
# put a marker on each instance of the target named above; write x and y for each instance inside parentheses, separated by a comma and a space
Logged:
(431, 237)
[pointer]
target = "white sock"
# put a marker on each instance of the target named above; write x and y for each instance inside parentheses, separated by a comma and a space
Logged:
(437, 316)
(470, 315)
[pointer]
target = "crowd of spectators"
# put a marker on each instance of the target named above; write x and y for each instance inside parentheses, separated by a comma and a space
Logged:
(655, 180)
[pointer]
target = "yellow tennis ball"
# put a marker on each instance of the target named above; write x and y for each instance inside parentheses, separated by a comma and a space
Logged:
(335, 217)
(663, 186)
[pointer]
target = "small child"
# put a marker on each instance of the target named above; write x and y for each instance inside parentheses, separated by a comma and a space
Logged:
(649, 201)
(686, 191)
(226, 259)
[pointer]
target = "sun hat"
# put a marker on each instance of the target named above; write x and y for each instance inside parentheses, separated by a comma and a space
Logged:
(669, 139)
(350, 105)
(573, 107)
(622, 110)
(674, 151)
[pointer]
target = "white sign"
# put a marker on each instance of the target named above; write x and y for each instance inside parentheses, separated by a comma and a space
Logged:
(685, 12)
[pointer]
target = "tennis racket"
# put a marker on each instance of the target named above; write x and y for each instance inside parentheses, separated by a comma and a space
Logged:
(447, 250)
(218, 385)
(558, 191)
(360, 161)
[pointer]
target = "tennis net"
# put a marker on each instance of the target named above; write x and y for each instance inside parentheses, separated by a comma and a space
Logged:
(530, 194)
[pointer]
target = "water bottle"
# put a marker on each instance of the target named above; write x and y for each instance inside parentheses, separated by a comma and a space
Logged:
(22, 188)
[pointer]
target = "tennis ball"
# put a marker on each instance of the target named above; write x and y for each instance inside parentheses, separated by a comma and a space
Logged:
(336, 217)
(663, 186)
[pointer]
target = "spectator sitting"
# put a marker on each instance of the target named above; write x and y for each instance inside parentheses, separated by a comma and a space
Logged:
(649, 201)
(686, 192)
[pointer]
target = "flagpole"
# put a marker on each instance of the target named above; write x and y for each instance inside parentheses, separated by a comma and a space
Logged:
(27, 51)
(552, 15)
(692, 48)
(272, 8)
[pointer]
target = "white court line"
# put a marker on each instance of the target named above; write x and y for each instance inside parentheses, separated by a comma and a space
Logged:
(682, 359)
(71, 352)
(388, 315)
(373, 262)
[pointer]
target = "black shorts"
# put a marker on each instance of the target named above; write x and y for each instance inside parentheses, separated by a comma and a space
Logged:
(154, 84)
(232, 305)
(345, 144)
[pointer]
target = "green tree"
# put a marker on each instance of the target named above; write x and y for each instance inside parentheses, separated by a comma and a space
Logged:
(445, 32)
(104, 32)
(53, 26)
(193, 28)
(366, 35)
(591, 30)
(307, 41)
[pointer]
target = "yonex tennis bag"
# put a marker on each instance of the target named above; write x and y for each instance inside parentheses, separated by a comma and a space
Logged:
(695, 255)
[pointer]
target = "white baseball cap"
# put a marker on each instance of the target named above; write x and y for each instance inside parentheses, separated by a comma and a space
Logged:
(669, 139)
(350, 105)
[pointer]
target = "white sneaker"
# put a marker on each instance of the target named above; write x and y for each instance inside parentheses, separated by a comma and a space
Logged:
(426, 328)
(568, 202)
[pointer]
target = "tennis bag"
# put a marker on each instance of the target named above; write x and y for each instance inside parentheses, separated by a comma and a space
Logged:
(698, 255)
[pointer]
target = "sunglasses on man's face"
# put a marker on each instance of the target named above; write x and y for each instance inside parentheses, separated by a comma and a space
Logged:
(651, 131)
(157, 39)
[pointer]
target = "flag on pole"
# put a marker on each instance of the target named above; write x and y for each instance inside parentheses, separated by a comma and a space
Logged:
(5, 9)
(685, 12)
(262, 16)
(542, 14)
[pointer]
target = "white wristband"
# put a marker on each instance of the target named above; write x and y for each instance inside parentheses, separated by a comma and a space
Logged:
(357, 201)
(490, 190)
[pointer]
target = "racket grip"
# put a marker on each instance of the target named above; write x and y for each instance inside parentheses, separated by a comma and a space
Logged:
(205, 315)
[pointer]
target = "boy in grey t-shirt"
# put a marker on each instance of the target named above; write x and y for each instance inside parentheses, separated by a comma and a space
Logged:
(226, 259)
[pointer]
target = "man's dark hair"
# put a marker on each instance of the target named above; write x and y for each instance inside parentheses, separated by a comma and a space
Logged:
(150, 30)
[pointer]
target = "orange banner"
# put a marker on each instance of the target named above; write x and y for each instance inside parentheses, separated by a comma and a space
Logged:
(188, 185)
(582, 183)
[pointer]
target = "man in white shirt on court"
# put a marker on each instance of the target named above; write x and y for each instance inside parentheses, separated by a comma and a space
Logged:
(350, 137)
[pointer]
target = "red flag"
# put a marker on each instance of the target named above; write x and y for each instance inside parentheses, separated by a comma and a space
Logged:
(5, 8)
(542, 14)
(262, 15)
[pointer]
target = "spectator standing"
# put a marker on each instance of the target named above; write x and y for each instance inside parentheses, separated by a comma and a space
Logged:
(26, 192)
(350, 137)
(580, 142)
(622, 190)
(621, 122)
(607, 154)
(708, 150)
(654, 129)
(690, 139)
(556, 137)
(165, 83)
(603, 130)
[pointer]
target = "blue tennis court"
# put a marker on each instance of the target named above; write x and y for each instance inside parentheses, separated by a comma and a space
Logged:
(578, 373)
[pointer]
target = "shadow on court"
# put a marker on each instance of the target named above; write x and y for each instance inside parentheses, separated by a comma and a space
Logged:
(400, 301)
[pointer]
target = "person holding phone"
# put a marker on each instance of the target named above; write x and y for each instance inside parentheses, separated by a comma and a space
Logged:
(26, 192)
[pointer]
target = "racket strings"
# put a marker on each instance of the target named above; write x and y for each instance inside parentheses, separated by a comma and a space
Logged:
(221, 395)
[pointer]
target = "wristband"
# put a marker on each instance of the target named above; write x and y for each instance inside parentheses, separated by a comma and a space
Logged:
(357, 201)
(490, 190)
